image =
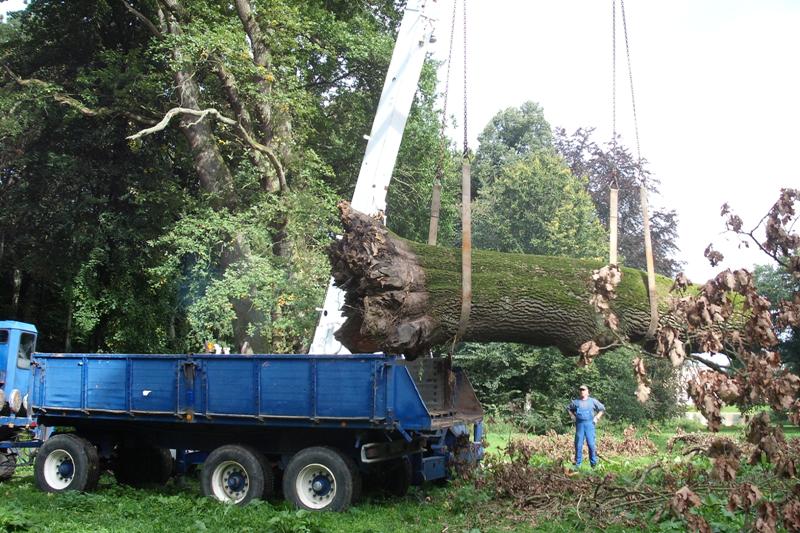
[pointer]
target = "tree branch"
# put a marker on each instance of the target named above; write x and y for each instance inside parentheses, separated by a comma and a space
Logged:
(69, 101)
(146, 21)
(231, 92)
(710, 364)
(58, 97)
(240, 130)
(176, 9)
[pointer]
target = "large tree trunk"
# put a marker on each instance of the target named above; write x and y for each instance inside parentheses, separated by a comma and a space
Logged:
(215, 176)
(405, 297)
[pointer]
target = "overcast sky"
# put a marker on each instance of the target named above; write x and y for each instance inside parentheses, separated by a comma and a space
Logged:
(717, 92)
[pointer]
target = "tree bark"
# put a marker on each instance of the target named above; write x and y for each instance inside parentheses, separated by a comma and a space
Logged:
(215, 177)
(276, 128)
(405, 297)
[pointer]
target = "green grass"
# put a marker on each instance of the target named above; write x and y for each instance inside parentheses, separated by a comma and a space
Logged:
(179, 507)
(174, 508)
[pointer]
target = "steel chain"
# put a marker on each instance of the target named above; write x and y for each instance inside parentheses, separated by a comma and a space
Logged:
(442, 133)
(614, 177)
(466, 141)
(633, 96)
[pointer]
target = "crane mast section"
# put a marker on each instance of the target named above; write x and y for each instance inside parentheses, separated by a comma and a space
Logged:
(413, 41)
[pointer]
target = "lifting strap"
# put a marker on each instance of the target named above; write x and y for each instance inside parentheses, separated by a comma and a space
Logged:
(612, 225)
(648, 245)
(613, 193)
(436, 193)
(436, 202)
(651, 272)
(466, 248)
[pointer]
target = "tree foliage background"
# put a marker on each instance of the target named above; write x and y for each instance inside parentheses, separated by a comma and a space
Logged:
(546, 193)
(190, 235)
(206, 231)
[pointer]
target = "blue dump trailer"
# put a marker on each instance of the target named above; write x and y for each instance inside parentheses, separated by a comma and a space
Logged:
(317, 427)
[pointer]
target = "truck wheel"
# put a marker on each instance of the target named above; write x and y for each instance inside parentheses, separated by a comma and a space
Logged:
(8, 464)
(147, 465)
(321, 479)
(235, 474)
(66, 462)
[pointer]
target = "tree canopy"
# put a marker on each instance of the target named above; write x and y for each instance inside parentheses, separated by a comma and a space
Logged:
(203, 230)
(215, 225)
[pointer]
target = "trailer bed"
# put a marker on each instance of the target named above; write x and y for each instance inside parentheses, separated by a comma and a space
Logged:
(371, 391)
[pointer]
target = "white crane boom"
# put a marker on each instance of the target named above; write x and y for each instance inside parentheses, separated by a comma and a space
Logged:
(413, 40)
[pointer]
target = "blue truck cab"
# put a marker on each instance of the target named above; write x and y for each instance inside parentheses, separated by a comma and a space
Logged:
(17, 344)
(319, 428)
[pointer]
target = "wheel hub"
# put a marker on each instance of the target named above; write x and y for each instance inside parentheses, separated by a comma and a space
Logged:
(321, 485)
(65, 469)
(236, 481)
(59, 469)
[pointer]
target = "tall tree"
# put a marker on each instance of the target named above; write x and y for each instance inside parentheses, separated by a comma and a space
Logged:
(213, 227)
(512, 133)
(613, 165)
(527, 199)
(534, 205)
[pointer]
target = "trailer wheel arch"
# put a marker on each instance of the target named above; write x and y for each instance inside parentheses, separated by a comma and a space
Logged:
(236, 474)
(142, 466)
(321, 478)
(67, 462)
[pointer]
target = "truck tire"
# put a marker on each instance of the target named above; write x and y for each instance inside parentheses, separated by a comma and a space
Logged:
(142, 466)
(236, 474)
(66, 462)
(321, 479)
(8, 464)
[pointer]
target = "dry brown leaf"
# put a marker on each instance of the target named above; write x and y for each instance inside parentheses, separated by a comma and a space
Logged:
(683, 500)
(791, 515)
(767, 520)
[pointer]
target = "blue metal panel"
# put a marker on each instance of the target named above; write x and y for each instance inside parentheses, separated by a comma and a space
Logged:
(409, 409)
(4, 338)
(380, 389)
(434, 468)
(154, 384)
(63, 384)
(299, 388)
(231, 386)
(106, 384)
(285, 387)
(344, 390)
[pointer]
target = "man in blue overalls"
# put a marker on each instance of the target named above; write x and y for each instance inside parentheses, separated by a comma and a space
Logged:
(585, 412)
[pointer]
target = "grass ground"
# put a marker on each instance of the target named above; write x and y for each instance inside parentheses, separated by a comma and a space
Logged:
(179, 506)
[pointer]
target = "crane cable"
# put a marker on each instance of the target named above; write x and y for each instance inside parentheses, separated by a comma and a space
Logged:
(648, 245)
(613, 192)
